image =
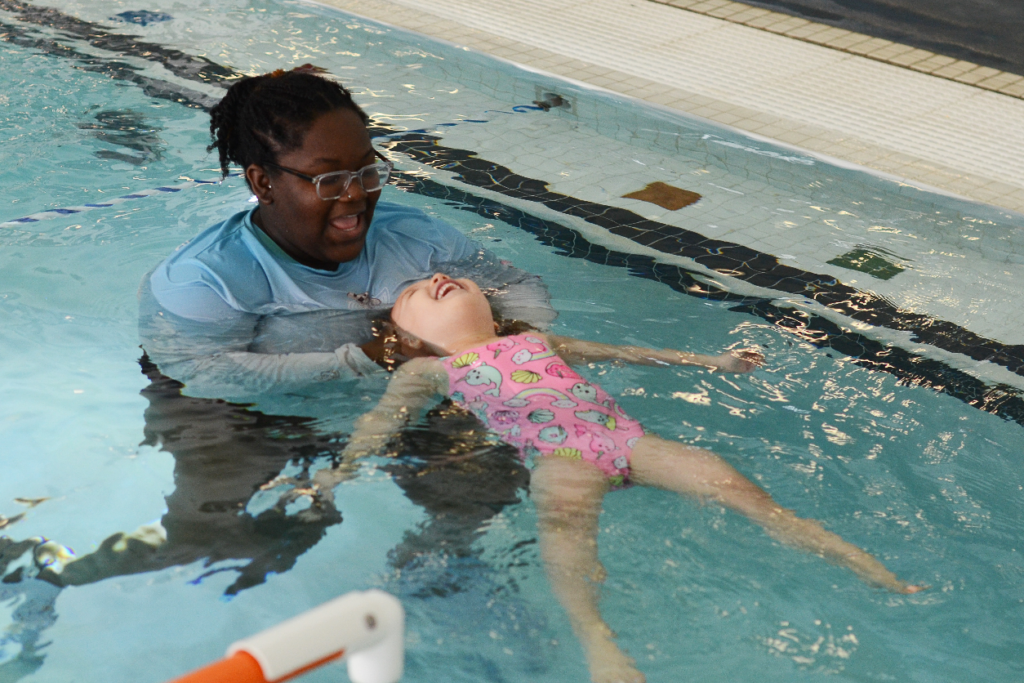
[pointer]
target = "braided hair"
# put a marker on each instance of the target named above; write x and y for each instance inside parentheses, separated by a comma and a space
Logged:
(263, 116)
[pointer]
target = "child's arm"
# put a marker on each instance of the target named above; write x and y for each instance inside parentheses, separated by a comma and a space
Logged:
(578, 351)
(409, 391)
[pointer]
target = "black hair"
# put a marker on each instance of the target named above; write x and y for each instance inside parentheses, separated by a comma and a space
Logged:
(263, 116)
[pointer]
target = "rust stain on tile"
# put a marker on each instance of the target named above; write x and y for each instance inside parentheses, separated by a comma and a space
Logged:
(665, 196)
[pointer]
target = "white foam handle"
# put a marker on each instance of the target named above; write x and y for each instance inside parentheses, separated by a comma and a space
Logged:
(365, 627)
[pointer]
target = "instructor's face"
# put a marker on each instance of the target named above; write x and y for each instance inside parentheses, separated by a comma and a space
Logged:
(315, 232)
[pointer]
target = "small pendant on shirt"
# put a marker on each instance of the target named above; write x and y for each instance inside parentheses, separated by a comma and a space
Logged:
(364, 299)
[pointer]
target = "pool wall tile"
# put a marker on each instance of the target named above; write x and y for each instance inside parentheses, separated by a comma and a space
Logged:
(741, 66)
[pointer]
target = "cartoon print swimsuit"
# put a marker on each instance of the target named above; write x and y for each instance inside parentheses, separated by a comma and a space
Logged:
(518, 387)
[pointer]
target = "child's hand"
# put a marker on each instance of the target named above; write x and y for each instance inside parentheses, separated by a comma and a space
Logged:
(743, 360)
(321, 500)
(319, 490)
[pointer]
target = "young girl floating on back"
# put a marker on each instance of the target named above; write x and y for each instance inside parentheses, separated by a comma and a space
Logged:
(576, 439)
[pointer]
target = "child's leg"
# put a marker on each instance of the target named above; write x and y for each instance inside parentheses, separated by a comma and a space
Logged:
(701, 473)
(568, 496)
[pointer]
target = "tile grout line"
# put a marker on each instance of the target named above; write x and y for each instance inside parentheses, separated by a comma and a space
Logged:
(842, 40)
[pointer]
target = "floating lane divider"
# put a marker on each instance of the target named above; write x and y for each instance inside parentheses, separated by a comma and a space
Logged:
(113, 201)
(365, 628)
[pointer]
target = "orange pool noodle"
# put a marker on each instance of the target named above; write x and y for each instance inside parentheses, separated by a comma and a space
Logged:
(239, 668)
(366, 626)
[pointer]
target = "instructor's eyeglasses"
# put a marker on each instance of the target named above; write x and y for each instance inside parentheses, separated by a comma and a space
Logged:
(336, 183)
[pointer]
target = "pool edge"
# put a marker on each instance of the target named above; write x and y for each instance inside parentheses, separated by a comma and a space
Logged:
(827, 137)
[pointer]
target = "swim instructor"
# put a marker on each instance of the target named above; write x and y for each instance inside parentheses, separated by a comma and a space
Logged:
(280, 296)
(319, 240)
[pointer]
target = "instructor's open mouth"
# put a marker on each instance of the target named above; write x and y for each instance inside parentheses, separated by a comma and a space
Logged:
(348, 224)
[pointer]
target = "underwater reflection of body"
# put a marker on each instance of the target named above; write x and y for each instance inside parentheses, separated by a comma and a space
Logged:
(224, 452)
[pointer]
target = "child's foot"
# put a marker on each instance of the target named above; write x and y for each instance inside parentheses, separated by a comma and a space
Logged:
(872, 572)
(609, 664)
(907, 589)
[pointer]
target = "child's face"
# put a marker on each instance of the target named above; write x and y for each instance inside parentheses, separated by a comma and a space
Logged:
(442, 311)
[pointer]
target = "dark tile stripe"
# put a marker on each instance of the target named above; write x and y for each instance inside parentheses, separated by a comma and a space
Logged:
(911, 369)
(114, 69)
(727, 258)
(177, 62)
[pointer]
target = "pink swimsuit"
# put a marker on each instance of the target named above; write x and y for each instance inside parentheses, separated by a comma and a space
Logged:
(519, 388)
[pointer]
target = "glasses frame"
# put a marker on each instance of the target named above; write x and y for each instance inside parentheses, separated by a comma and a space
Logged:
(352, 175)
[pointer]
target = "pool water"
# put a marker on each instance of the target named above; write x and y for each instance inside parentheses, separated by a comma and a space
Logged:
(889, 407)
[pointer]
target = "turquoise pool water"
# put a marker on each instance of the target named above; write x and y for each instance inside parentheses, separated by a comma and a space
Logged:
(905, 443)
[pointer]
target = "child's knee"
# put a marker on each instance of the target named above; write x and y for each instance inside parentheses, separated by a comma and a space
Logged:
(567, 485)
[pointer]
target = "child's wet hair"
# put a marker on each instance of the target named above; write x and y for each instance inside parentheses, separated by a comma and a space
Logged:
(385, 329)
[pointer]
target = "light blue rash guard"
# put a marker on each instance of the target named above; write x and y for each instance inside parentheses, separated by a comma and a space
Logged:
(230, 314)
(234, 267)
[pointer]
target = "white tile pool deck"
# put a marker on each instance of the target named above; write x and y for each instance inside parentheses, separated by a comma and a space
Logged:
(927, 119)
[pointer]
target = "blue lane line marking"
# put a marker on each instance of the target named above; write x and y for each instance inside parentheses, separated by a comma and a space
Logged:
(55, 213)
(141, 194)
